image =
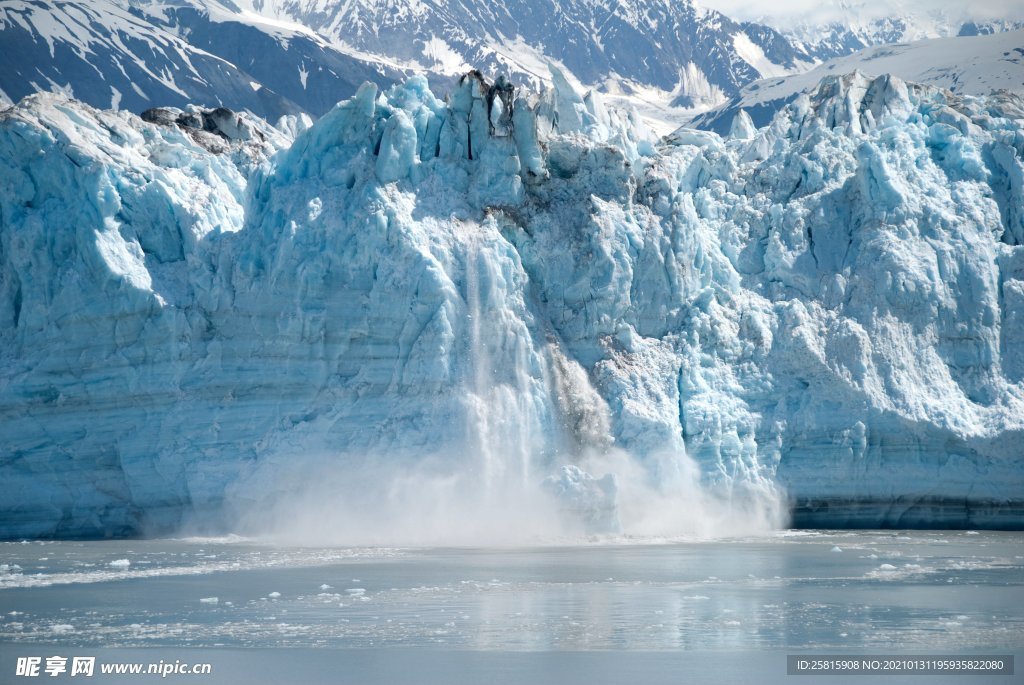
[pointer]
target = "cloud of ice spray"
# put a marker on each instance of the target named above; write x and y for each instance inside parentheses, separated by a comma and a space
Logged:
(680, 504)
(388, 501)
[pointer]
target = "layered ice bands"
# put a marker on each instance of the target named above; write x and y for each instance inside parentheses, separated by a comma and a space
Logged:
(526, 303)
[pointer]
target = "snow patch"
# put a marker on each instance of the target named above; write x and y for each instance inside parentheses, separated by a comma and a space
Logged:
(751, 53)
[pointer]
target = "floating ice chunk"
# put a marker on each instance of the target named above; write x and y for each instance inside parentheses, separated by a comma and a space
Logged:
(209, 600)
(120, 563)
(274, 595)
(837, 549)
(325, 586)
(356, 591)
(62, 628)
(887, 567)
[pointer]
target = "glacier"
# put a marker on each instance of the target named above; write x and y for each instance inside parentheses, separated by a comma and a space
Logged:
(965, 65)
(528, 301)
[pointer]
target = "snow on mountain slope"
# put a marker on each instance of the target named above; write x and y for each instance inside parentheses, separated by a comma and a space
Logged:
(833, 28)
(652, 43)
(671, 60)
(839, 39)
(275, 56)
(975, 65)
(289, 58)
(477, 309)
(106, 56)
(118, 54)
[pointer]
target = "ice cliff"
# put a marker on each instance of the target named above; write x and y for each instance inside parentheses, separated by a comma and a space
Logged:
(199, 310)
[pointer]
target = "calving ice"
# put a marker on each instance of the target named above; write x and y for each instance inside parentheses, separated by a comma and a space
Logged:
(513, 312)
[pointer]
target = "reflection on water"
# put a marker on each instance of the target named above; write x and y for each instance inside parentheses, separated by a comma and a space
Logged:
(848, 590)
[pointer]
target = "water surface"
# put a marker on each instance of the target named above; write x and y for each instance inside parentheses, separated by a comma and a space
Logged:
(797, 591)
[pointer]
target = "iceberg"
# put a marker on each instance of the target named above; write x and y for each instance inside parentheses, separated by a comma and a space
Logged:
(201, 313)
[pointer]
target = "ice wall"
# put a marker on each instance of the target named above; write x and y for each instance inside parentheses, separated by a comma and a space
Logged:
(524, 291)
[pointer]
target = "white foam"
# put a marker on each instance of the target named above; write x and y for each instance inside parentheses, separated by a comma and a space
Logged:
(215, 540)
(255, 560)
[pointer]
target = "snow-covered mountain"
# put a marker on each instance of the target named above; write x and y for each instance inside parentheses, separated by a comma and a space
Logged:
(284, 56)
(503, 294)
(272, 57)
(114, 53)
(975, 65)
(649, 42)
(839, 39)
(835, 28)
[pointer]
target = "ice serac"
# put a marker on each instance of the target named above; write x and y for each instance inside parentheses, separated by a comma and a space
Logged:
(517, 288)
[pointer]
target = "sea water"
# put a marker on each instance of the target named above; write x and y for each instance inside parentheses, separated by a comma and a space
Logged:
(596, 611)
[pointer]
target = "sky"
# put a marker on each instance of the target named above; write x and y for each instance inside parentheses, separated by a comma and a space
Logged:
(782, 13)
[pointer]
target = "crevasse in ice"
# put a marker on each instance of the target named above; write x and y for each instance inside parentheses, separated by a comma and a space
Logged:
(831, 306)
